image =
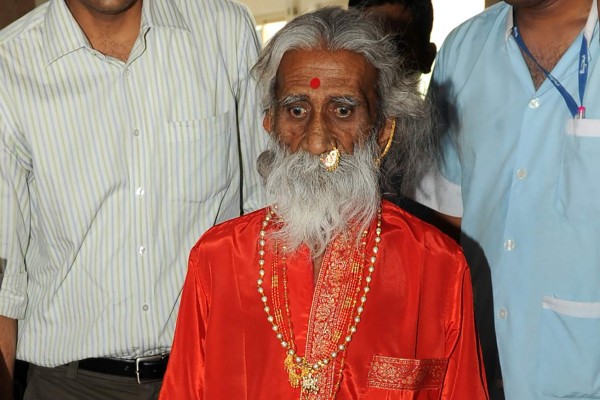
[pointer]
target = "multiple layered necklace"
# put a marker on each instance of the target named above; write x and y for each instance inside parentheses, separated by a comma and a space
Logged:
(302, 372)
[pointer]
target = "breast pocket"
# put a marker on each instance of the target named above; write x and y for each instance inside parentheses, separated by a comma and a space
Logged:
(578, 189)
(198, 157)
(394, 378)
(569, 353)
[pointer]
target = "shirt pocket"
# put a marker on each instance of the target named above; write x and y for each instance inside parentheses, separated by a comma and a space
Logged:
(569, 352)
(394, 378)
(578, 189)
(198, 157)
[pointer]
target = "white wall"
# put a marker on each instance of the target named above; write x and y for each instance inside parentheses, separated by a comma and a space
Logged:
(447, 14)
(271, 11)
(277, 10)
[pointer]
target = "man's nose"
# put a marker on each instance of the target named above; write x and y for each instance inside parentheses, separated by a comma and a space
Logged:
(317, 139)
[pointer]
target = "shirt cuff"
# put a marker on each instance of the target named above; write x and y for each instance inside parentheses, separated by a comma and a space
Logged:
(440, 194)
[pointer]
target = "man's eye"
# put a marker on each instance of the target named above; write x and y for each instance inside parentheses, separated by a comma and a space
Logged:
(297, 111)
(343, 111)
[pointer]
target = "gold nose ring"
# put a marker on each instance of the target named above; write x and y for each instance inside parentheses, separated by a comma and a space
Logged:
(330, 160)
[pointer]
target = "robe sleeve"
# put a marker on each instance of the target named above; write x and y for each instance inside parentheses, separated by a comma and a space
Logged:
(465, 377)
(184, 378)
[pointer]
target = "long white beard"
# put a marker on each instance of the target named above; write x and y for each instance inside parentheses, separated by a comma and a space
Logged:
(316, 205)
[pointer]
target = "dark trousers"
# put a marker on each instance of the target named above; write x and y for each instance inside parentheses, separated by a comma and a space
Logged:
(68, 382)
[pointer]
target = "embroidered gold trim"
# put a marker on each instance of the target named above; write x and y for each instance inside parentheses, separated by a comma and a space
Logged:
(407, 374)
(335, 298)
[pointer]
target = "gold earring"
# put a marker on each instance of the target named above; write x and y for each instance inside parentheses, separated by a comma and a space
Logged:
(388, 145)
(271, 119)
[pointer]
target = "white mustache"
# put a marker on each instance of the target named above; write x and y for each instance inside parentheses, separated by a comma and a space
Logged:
(316, 204)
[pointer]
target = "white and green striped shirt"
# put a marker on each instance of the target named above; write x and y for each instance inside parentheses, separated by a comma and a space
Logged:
(110, 171)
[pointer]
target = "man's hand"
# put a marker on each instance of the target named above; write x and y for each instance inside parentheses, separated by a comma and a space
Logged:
(8, 345)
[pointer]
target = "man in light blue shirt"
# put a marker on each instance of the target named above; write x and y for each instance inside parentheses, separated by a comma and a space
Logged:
(127, 129)
(521, 173)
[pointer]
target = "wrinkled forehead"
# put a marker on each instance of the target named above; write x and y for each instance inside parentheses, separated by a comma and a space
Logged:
(318, 73)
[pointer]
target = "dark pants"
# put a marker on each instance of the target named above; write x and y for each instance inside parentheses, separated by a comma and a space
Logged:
(68, 382)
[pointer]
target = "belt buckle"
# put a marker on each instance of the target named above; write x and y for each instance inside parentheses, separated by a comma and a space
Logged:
(142, 359)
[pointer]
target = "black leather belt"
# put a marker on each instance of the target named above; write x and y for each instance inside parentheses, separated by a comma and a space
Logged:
(144, 369)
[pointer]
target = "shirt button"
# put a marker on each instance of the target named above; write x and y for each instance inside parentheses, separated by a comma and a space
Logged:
(509, 245)
(145, 307)
(141, 250)
(139, 192)
(136, 132)
(535, 103)
(521, 173)
(502, 313)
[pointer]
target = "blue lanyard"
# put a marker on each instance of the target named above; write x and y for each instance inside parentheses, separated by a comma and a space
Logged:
(576, 111)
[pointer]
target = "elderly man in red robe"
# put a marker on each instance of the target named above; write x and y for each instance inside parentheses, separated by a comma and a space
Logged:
(330, 292)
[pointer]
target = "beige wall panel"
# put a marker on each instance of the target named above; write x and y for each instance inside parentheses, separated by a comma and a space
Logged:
(490, 2)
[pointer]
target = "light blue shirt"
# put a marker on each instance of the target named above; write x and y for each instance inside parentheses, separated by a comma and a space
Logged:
(110, 171)
(525, 177)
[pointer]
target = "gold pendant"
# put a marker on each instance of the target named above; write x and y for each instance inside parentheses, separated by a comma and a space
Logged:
(294, 373)
(310, 383)
(300, 374)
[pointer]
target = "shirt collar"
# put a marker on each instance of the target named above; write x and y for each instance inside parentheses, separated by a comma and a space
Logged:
(63, 35)
(162, 14)
(588, 31)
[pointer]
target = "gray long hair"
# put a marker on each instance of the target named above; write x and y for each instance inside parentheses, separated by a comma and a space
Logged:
(333, 29)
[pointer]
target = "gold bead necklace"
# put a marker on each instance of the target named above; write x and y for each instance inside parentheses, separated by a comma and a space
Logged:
(300, 371)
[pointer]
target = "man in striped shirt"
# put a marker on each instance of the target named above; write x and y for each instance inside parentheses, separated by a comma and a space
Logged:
(127, 128)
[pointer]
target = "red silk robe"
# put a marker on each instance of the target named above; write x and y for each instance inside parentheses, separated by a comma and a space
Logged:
(416, 338)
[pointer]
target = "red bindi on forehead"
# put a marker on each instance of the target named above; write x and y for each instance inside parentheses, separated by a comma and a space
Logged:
(315, 83)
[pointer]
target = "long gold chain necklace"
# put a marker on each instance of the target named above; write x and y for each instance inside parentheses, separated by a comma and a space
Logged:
(301, 372)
